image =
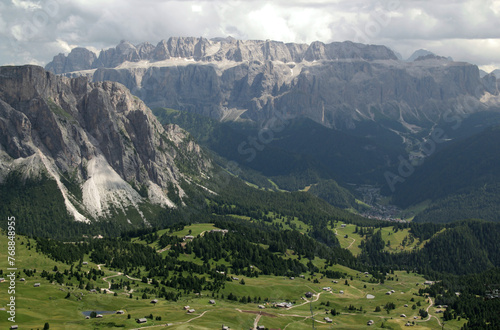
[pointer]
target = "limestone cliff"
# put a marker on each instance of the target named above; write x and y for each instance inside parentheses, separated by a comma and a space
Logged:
(98, 134)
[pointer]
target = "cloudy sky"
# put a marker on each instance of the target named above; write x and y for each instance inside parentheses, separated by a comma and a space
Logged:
(33, 31)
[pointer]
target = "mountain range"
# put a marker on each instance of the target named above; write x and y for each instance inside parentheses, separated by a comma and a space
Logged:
(340, 85)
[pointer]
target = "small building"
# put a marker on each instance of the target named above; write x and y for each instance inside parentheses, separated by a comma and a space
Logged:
(343, 225)
(346, 236)
(98, 316)
(302, 276)
(154, 301)
(14, 327)
(36, 285)
(22, 279)
(120, 312)
(225, 327)
(211, 302)
(403, 315)
(327, 288)
(261, 327)
(309, 294)
(428, 282)
(262, 307)
(406, 305)
(142, 320)
(85, 263)
(341, 291)
(192, 310)
(2, 279)
(189, 237)
(87, 317)
(408, 324)
(186, 308)
(328, 320)
(292, 278)
(371, 322)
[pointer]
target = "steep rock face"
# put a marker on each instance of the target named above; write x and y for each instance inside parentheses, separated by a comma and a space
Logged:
(79, 59)
(217, 50)
(101, 135)
(338, 84)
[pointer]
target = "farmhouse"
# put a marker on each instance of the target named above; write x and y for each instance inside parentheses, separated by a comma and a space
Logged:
(85, 263)
(154, 301)
(120, 312)
(98, 316)
(188, 237)
(186, 308)
(327, 288)
(343, 225)
(14, 327)
(262, 307)
(212, 302)
(328, 320)
(261, 327)
(143, 320)
(225, 327)
(403, 315)
(192, 310)
(309, 294)
(22, 279)
(371, 322)
(2, 279)
(341, 291)
(36, 285)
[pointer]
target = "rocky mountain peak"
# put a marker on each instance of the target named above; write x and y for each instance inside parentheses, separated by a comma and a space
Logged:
(99, 134)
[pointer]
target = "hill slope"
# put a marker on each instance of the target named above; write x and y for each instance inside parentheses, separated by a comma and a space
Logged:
(462, 180)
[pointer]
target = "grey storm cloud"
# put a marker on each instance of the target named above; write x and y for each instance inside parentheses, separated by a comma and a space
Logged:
(34, 31)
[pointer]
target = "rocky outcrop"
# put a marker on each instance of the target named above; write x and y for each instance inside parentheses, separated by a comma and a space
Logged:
(99, 134)
(79, 59)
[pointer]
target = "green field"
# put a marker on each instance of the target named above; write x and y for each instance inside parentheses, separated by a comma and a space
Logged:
(48, 303)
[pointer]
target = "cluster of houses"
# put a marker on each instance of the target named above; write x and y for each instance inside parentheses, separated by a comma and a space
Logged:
(283, 305)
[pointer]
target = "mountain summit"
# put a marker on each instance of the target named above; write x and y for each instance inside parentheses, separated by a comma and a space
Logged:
(102, 146)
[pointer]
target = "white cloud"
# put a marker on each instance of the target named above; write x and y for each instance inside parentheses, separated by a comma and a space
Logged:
(464, 29)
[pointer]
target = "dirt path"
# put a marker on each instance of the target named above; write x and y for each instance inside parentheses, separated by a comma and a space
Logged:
(256, 321)
(171, 324)
(316, 297)
(430, 316)
(353, 240)
(105, 279)
(133, 279)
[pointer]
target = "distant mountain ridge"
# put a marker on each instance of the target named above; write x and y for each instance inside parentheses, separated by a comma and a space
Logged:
(219, 49)
(339, 85)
